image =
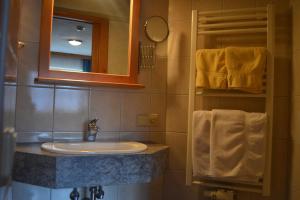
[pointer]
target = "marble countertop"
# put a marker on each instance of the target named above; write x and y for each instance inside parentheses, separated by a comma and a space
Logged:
(38, 167)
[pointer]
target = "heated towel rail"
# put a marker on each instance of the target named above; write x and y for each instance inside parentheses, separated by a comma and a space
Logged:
(251, 21)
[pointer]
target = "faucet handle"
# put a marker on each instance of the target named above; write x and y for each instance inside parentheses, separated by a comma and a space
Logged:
(93, 123)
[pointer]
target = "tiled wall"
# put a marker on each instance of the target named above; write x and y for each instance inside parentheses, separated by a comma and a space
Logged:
(43, 112)
(295, 107)
(177, 95)
(56, 111)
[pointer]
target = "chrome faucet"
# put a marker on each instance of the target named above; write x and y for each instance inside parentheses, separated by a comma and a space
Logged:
(93, 129)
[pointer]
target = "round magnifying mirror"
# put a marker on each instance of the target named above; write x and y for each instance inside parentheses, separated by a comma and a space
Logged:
(156, 29)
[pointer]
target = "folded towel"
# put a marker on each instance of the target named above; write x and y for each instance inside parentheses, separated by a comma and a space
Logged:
(237, 144)
(211, 70)
(201, 143)
(246, 66)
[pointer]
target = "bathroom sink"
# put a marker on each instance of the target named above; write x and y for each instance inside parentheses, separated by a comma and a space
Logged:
(94, 147)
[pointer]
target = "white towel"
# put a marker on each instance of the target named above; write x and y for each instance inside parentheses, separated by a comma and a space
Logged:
(237, 144)
(201, 143)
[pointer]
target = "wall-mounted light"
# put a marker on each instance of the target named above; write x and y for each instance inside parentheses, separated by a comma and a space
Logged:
(75, 42)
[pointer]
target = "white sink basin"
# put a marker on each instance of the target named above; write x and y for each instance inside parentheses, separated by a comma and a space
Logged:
(94, 147)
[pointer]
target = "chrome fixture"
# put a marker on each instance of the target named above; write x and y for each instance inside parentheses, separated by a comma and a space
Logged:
(147, 58)
(93, 129)
(96, 192)
(21, 44)
(74, 194)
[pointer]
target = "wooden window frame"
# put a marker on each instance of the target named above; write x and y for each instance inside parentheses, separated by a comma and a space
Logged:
(45, 75)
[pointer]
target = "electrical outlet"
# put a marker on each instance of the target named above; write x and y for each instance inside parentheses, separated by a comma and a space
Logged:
(142, 120)
(147, 119)
(154, 119)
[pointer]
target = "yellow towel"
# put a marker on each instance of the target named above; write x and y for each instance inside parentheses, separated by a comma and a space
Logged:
(246, 66)
(211, 70)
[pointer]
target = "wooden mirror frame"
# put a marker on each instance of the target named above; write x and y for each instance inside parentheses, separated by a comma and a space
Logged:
(45, 75)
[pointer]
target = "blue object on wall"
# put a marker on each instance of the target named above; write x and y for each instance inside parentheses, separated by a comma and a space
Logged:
(86, 65)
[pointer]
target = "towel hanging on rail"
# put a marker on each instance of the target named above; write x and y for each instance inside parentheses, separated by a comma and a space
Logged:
(201, 140)
(211, 70)
(229, 144)
(246, 67)
(238, 68)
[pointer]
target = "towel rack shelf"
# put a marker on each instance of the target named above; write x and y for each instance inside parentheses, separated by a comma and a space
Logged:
(232, 11)
(227, 93)
(255, 22)
(230, 186)
(233, 31)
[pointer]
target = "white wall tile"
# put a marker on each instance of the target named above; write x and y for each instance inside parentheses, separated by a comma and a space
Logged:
(144, 78)
(134, 192)
(29, 30)
(176, 119)
(134, 136)
(234, 4)
(179, 39)
(29, 137)
(34, 109)
(279, 176)
(180, 10)
(133, 104)
(158, 106)
(175, 187)
(28, 63)
(159, 76)
(282, 76)
(204, 5)
(61, 194)
(177, 153)
(178, 75)
(110, 192)
(9, 106)
(23, 191)
(281, 118)
(157, 137)
(71, 110)
(260, 3)
(106, 106)
(154, 8)
(108, 136)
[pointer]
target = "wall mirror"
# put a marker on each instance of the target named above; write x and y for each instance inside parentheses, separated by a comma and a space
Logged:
(94, 42)
(156, 29)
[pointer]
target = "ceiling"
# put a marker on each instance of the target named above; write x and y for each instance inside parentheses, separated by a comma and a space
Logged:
(63, 30)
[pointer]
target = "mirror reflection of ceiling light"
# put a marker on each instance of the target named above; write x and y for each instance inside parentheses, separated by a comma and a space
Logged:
(75, 42)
